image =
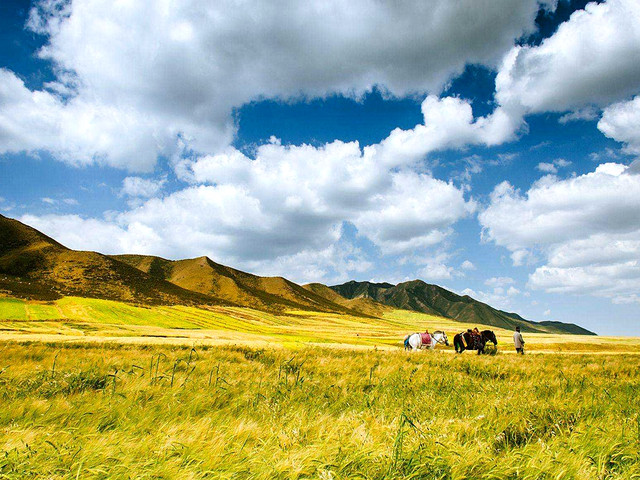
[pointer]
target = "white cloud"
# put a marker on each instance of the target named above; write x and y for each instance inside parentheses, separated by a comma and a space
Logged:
(552, 167)
(582, 114)
(547, 313)
(592, 59)
(499, 281)
(401, 223)
(136, 79)
(621, 121)
(53, 201)
(497, 297)
(626, 299)
(547, 167)
(78, 233)
(587, 229)
(467, 265)
(142, 187)
(290, 202)
(77, 131)
(433, 267)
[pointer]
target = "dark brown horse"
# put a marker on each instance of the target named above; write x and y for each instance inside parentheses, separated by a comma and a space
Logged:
(470, 344)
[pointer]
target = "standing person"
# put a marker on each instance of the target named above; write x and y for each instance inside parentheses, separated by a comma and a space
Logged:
(518, 341)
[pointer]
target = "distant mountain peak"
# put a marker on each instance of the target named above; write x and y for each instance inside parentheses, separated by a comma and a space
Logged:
(37, 266)
(428, 298)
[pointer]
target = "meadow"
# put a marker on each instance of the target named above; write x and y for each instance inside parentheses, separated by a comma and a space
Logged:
(94, 411)
(99, 389)
(84, 319)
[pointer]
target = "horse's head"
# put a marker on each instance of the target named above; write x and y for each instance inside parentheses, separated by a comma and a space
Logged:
(441, 337)
(489, 335)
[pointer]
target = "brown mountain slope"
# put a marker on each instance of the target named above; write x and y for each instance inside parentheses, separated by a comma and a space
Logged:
(34, 265)
(205, 276)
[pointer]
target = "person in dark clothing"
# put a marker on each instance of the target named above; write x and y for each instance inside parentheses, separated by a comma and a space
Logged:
(477, 339)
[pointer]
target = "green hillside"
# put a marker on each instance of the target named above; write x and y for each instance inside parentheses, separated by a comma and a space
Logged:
(419, 296)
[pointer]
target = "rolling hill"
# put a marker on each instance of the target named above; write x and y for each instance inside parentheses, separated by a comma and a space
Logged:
(419, 296)
(207, 277)
(33, 265)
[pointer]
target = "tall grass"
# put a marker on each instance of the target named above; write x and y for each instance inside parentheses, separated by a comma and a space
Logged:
(114, 411)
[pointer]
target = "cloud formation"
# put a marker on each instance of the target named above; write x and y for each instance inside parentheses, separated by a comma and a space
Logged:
(592, 59)
(291, 201)
(142, 187)
(134, 79)
(621, 121)
(587, 228)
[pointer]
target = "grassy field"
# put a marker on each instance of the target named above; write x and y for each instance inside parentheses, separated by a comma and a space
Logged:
(97, 411)
(99, 389)
(83, 319)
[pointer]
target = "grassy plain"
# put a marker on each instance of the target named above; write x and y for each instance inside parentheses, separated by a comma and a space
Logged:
(99, 389)
(83, 319)
(97, 411)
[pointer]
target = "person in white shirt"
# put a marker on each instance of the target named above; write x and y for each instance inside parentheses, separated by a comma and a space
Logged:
(518, 341)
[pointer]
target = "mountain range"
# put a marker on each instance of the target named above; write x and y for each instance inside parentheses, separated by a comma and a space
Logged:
(423, 297)
(36, 266)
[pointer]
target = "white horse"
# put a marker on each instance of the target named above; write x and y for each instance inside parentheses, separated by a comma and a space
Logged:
(414, 341)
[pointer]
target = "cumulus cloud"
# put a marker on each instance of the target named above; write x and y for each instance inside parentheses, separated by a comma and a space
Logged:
(76, 131)
(467, 265)
(134, 79)
(547, 167)
(499, 281)
(592, 59)
(587, 229)
(142, 187)
(552, 167)
(497, 296)
(293, 200)
(621, 121)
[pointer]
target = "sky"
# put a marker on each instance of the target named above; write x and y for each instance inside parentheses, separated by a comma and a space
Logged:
(490, 147)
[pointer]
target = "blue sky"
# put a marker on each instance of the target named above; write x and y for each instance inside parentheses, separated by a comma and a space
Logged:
(489, 153)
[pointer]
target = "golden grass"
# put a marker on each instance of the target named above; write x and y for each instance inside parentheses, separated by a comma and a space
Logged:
(97, 411)
(84, 319)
